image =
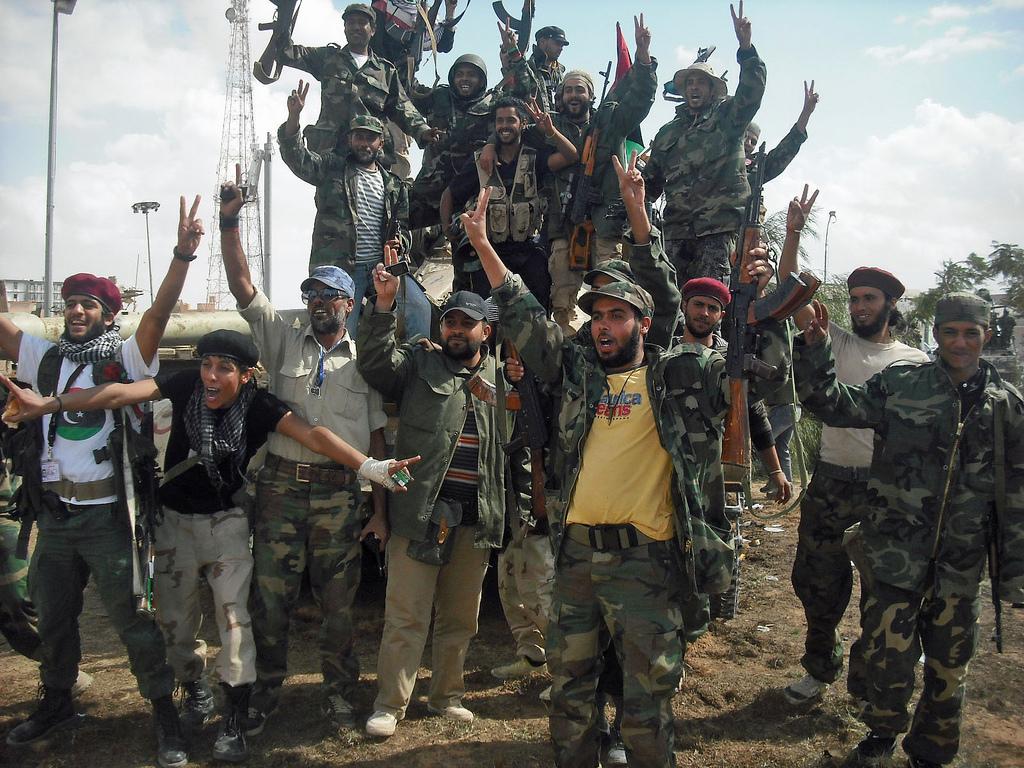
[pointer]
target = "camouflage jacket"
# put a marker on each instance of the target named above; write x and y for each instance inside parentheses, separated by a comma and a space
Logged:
(347, 90)
(617, 117)
(548, 75)
(334, 228)
(778, 159)
(430, 389)
(699, 163)
(930, 495)
(689, 393)
(467, 124)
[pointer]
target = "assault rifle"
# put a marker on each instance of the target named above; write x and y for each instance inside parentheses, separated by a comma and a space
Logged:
(582, 196)
(746, 313)
(533, 432)
(267, 68)
(521, 26)
(998, 511)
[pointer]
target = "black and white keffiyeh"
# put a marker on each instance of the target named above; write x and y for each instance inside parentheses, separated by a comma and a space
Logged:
(217, 435)
(106, 346)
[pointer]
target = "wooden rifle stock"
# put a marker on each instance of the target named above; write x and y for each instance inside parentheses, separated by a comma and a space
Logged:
(267, 68)
(736, 438)
(583, 232)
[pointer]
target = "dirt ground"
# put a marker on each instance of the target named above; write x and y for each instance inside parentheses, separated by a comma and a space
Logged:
(730, 712)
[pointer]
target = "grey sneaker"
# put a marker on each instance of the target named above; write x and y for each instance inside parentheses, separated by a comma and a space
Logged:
(808, 688)
(82, 683)
(339, 711)
(455, 712)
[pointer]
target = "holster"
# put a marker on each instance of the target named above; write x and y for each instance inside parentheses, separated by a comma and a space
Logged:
(437, 548)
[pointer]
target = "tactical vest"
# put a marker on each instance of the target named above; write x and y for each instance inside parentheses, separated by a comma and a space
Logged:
(515, 217)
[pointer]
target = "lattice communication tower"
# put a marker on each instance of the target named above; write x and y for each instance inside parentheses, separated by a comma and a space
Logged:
(237, 145)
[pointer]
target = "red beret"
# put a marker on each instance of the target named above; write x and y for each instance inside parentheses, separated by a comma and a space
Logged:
(873, 277)
(100, 288)
(707, 286)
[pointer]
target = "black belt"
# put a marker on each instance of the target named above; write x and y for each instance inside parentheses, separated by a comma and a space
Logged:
(328, 474)
(607, 538)
(849, 474)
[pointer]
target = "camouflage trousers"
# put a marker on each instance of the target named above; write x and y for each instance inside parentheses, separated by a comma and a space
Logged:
(823, 577)
(631, 595)
(17, 616)
(706, 256)
(299, 526)
(90, 542)
(215, 546)
(525, 572)
(898, 625)
(566, 283)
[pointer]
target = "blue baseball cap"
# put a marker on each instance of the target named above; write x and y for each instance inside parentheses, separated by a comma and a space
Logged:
(332, 277)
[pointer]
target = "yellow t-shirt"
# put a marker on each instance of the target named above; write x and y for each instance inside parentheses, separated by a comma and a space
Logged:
(625, 476)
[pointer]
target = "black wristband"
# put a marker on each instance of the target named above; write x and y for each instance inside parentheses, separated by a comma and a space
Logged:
(229, 222)
(179, 255)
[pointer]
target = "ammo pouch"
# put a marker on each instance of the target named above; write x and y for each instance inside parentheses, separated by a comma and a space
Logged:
(437, 548)
(712, 558)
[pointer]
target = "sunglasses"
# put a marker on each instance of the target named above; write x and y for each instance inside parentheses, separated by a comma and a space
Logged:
(326, 294)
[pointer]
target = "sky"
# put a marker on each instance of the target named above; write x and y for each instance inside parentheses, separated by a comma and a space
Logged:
(917, 142)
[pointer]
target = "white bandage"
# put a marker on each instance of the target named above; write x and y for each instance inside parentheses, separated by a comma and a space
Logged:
(376, 471)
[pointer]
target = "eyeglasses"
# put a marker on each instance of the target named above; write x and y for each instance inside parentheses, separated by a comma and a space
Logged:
(325, 294)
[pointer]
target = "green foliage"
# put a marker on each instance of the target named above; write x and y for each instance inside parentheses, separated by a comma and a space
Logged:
(773, 232)
(1007, 261)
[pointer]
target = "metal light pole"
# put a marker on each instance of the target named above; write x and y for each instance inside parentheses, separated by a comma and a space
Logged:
(145, 208)
(831, 218)
(59, 7)
(268, 152)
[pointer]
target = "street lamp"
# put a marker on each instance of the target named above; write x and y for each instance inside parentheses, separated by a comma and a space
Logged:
(831, 218)
(145, 208)
(59, 7)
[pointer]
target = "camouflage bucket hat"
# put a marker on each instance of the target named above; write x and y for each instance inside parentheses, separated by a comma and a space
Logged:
(719, 90)
(962, 306)
(367, 123)
(632, 294)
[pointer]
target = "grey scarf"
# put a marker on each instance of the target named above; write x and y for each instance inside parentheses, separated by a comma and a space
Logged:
(103, 347)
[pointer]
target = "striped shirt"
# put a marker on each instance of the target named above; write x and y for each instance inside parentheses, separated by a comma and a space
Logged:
(461, 479)
(370, 215)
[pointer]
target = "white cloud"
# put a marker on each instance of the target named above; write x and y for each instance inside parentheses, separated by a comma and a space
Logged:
(939, 188)
(955, 42)
(685, 55)
(938, 14)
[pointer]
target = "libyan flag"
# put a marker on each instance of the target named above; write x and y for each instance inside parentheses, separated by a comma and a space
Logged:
(634, 141)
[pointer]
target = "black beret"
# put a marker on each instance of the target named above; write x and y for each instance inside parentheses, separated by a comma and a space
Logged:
(231, 344)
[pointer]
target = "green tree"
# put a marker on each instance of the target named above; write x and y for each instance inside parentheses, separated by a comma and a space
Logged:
(966, 275)
(1007, 262)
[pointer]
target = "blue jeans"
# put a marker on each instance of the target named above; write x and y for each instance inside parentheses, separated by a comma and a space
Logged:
(414, 308)
(782, 418)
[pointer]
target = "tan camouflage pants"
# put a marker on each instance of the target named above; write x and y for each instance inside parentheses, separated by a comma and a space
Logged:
(898, 626)
(526, 569)
(566, 283)
(415, 590)
(215, 546)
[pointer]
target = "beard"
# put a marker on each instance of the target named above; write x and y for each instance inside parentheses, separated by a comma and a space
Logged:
(626, 355)
(95, 330)
(697, 332)
(468, 350)
(328, 324)
(872, 327)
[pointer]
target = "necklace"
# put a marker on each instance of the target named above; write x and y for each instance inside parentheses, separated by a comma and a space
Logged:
(612, 403)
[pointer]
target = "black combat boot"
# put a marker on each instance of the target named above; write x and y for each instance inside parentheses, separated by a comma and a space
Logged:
(874, 751)
(197, 705)
(230, 745)
(55, 711)
(171, 751)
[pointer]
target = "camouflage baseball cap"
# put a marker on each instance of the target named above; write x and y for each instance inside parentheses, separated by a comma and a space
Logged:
(961, 306)
(367, 123)
(616, 269)
(623, 291)
(362, 8)
(719, 90)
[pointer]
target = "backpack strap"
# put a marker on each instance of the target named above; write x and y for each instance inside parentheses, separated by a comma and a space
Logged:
(49, 371)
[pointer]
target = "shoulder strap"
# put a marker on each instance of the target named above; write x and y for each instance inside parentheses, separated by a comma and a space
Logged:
(180, 468)
(49, 371)
(999, 459)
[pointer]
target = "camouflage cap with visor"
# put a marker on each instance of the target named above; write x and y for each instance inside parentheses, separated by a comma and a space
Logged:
(632, 294)
(362, 8)
(366, 123)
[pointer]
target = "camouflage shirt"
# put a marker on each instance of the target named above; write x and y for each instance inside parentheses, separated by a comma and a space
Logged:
(548, 74)
(430, 389)
(699, 163)
(931, 495)
(689, 394)
(334, 228)
(778, 159)
(348, 90)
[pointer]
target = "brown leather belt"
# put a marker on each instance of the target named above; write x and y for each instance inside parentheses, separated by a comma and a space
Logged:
(328, 474)
(605, 538)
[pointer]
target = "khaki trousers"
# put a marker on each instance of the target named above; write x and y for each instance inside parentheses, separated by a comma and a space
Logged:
(526, 572)
(217, 546)
(415, 590)
(566, 283)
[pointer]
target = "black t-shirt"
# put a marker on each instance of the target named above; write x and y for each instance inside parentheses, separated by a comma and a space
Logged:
(192, 492)
(467, 184)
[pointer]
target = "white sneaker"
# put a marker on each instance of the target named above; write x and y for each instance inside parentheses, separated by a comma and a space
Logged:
(82, 683)
(521, 667)
(804, 690)
(381, 724)
(455, 712)
(545, 695)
